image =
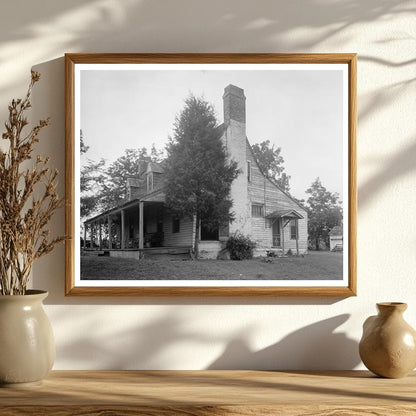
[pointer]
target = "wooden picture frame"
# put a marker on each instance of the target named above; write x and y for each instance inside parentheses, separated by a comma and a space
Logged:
(122, 230)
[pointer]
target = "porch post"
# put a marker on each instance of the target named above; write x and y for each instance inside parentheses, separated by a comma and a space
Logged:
(283, 235)
(84, 243)
(193, 233)
(100, 236)
(141, 236)
(297, 236)
(110, 239)
(92, 235)
(122, 229)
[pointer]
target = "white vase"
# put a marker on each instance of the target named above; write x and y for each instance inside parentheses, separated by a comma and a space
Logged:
(27, 346)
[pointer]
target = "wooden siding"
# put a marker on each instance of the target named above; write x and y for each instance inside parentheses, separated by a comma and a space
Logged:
(264, 192)
(183, 237)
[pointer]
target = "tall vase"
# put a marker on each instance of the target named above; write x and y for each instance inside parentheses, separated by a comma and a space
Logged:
(388, 345)
(27, 347)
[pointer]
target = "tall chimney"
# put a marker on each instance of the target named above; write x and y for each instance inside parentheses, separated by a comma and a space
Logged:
(235, 142)
(234, 104)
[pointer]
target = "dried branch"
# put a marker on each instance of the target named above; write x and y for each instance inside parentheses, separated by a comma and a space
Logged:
(24, 216)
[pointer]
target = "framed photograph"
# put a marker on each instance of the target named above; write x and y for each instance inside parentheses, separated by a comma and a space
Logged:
(211, 174)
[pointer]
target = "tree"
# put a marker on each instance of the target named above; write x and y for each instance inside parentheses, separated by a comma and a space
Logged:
(91, 180)
(271, 162)
(83, 147)
(103, 187)
(324, 213)
(198, 171)
(130, 165)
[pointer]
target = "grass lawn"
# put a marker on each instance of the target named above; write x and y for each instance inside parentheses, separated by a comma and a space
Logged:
(314, 266)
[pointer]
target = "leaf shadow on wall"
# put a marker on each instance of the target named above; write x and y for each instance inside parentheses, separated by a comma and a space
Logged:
(316, 346)
(142, 344)
(147, 345)
(160, 26)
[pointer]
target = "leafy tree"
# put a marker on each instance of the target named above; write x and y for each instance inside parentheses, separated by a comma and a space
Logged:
(130, 165)
(104, 187)
(324, 213)
(84, 147)
(271, 162)
(198, 171)
(91, 179)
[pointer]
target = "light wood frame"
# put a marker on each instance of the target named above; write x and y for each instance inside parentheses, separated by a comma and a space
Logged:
(70, 286)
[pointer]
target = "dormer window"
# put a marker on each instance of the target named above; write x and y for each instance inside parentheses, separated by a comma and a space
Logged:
(150, 182)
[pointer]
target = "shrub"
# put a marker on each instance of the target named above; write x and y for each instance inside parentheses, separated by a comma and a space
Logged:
(240, 247)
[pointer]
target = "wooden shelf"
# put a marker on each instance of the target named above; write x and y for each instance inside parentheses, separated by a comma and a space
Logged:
(207, 393)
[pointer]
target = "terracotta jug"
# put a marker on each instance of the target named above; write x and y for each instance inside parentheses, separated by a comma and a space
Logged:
(388, 345)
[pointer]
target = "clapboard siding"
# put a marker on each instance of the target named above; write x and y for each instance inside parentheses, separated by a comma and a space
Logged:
(183, 237)
(263, 191)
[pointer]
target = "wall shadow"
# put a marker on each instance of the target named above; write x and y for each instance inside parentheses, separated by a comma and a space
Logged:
(316, 346)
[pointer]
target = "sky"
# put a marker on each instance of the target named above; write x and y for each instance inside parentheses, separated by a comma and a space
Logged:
(300, 111)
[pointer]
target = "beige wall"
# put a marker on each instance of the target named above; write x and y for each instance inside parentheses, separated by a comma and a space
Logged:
(197, 333)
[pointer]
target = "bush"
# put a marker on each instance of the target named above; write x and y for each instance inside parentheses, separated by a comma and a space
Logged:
(240, 247)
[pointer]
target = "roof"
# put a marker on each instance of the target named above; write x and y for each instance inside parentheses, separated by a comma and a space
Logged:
(155, 196)
(268, 179)
(154, 167)
(285, 213)
(337, 230)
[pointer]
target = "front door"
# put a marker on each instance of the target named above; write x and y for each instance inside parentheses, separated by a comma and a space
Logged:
(276, 227)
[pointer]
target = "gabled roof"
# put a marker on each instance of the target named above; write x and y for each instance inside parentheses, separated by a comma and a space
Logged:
(285, 213)
(272, 182)
(154, 167)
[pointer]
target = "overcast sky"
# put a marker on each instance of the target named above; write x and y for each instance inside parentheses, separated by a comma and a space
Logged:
(299, 111)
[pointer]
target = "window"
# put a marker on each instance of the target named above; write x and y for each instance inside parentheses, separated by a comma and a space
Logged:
(293, 229)
(248, 170)
(150, 182)
(257, 210)
(175, 225)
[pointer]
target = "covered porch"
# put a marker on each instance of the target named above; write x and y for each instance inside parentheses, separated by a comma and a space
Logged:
(280, 219)
(135, 225)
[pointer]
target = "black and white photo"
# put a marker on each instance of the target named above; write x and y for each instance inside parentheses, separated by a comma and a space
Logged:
(210, 175)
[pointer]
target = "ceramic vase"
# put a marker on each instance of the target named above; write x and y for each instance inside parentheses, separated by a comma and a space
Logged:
(27, 346)
(388, 345)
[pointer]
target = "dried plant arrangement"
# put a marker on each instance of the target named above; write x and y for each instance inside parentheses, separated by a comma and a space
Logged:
(28, 199)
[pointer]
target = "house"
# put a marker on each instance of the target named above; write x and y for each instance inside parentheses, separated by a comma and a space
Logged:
(336, 239)
(268, 215)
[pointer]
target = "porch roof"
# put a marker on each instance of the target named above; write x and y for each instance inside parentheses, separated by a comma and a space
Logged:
(155, 196)
(284, 213)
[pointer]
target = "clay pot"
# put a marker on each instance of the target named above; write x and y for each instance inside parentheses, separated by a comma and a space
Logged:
(27, 347)
(388, 345)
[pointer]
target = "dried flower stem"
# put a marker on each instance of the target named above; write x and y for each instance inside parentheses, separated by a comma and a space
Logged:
(23, 217)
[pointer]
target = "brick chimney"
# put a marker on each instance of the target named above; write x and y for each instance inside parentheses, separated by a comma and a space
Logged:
(234, 104)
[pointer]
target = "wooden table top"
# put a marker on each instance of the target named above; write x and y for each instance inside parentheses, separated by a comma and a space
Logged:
(203, 393)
